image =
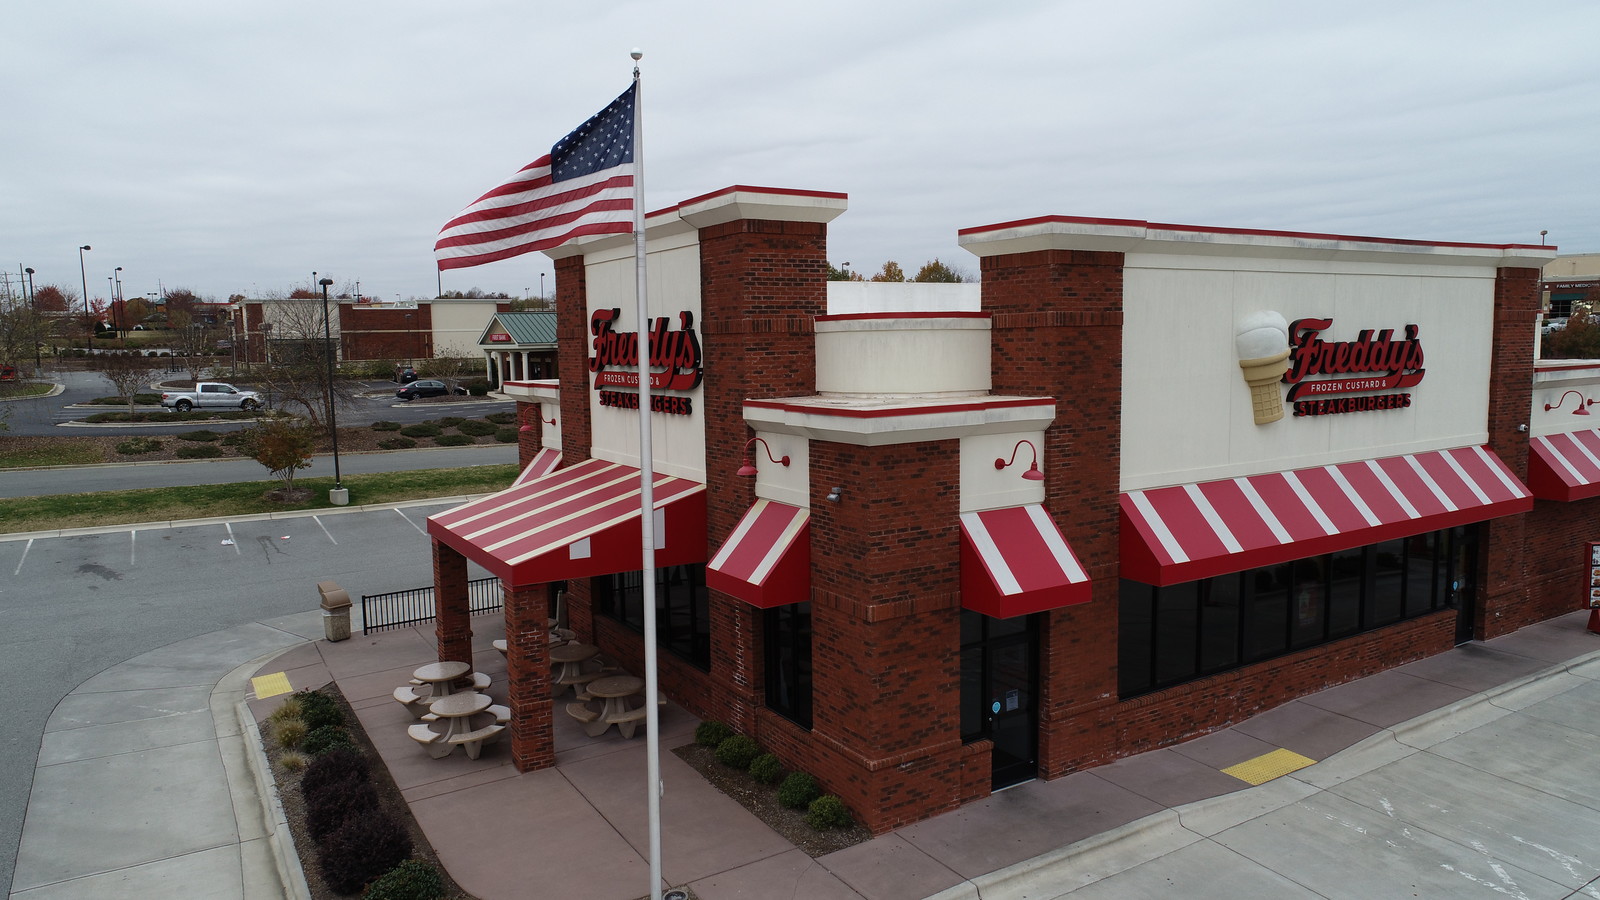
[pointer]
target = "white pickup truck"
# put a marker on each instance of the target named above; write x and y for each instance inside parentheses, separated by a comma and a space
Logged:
(212, 394)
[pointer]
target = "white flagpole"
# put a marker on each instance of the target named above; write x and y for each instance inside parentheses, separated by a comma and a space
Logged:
(647, 515)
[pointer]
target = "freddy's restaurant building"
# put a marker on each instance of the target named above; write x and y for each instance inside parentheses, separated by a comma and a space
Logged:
(1146, 481)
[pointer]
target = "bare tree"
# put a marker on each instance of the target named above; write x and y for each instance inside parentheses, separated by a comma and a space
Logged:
(22, 332)
(128, 372)
(297, 374)
(191, 338)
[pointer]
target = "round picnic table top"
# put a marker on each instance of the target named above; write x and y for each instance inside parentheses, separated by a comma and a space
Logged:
(466, 703)
(434, 673)
(573, 653)
(615, 686)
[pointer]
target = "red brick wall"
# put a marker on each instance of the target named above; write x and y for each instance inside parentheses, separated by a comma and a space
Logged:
(572, 349)
(1556, 550)
(1503, 563)
(452, 621)
(528, 677)
(1057, 332)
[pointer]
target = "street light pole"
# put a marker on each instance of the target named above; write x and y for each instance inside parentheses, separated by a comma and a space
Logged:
(338, 496)
(116, 304)
(88, 317)
(38, 362)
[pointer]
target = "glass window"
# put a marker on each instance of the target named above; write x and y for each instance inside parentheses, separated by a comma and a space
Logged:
(1421, 557)
(683, 625)
(1308, 602)
(1177, 624)
(1219, 623)
(1346, 578)
(1267, 628)
(787, 635)
(1135, 628)
(1388, 583)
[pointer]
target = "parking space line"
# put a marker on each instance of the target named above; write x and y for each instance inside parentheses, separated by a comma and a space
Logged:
(413, 524)
(133, 545)
(318, 520)
(25, 548)
(236, 550)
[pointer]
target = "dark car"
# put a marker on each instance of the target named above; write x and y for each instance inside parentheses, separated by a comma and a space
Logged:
(428, 388)
(404, 374)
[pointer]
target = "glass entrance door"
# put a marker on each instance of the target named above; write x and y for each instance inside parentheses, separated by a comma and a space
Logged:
(999, 687)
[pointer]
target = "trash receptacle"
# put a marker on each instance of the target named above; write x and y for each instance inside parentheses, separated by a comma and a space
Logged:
(335, 602)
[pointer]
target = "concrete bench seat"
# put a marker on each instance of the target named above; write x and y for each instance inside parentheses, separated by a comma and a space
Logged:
(628, 721)
(415, 702)
(480, 681)
(502, 714)
(473, 741)
(429, 739)
(582, 712)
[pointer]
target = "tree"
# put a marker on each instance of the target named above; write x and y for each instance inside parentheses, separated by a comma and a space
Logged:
(53, 299)
(296, 374)
(127, 372)
(22, 330)
(1579, 340)
(939, 273)
(284, 446)
(134, 312)
(843, 273)
(890, 272)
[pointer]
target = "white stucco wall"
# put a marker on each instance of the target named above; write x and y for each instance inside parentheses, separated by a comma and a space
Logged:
(457, 325)
(1186, 409)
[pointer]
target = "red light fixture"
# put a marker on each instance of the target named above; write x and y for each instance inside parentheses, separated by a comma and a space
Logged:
(1033, 473)
(1583, 404)
(748, 470)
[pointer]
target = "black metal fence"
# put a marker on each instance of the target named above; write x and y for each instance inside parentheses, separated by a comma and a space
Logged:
(397, 609)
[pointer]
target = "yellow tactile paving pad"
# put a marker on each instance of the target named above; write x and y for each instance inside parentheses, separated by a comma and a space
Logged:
(270, 685)
(1268, 766)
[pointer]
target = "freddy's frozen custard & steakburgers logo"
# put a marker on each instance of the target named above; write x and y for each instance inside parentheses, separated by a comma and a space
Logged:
(1376, 361)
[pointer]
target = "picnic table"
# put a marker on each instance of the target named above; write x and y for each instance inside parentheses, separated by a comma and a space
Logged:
(615, 691)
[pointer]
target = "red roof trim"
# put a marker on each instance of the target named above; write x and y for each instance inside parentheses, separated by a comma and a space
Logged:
(1259, 232)
(787, 192)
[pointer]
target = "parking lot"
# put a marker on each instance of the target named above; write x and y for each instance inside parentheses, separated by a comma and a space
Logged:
(76, 605)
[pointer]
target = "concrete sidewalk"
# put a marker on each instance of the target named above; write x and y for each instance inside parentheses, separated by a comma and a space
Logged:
(1465, 774)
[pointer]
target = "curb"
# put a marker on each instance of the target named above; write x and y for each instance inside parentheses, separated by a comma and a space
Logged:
(279, 840)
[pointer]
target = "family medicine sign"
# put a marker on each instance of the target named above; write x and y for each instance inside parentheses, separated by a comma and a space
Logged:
(1374, 361)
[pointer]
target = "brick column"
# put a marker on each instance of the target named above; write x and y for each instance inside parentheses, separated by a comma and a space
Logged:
(1503, 556)
(452, 620)
(528, 442)
(528, 677)
(1057, 331)
(572, 354)
(762, 283)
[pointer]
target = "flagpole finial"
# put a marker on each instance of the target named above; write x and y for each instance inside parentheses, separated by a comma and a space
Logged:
(636, 53)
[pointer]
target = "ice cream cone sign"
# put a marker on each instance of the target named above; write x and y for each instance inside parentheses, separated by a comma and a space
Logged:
(1263, 345)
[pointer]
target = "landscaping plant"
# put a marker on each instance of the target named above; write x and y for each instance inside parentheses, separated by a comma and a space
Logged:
(411, 880)
(766, 769)
(710, 733)
(737, 751)
(798, 790)
(361, 850)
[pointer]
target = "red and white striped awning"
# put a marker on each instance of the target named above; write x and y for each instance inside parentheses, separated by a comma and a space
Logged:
(1014, 561)
(766, 561)
(576, 522)
(544, 462)
(1191, 531)
(1565, 466)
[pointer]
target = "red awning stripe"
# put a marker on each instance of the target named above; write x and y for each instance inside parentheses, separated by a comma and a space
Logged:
(543, 463)
(1565, 466)
(759, 541)
(1200, 525)
(1022, 549)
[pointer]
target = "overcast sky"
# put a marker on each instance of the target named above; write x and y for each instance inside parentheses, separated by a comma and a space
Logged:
(235, 148)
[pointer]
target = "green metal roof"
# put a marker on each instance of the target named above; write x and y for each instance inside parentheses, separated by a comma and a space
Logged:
(526, 327)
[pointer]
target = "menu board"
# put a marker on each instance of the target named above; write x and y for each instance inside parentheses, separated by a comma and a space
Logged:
(1594, 574)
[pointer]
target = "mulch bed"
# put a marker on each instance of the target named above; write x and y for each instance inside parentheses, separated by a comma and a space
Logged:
(294, 807)
(762, 802)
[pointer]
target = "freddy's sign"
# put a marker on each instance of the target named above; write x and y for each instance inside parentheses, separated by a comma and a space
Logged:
(1375, 361)
(675, 362)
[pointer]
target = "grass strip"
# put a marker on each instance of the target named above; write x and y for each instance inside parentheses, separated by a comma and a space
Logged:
(23, 514)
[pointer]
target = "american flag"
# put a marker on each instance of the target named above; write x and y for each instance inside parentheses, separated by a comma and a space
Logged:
(583, 186)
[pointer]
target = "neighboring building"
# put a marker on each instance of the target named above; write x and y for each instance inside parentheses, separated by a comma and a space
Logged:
(1146, 481)
(520, 346)
(1569, 279)
(404, 330)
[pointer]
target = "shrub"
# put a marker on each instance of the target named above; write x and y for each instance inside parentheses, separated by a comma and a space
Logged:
(737, 751)
(336, 804)
(478, 387)
(766, 769)
(361, 850)
(798, 790)
(319, 711)
(711, 733)
(477, 427)
(422, 429)
(411, 880)
(201, 436)
(334, 767)
(290, 709)
(199, 451)
(135, 446)
(385, 425)
(233, 439)
(827, 812)
(506, 435)
(289, 733)
(292, 760)
(329, 737)
(453, 440)
(451, 421)
(399, 443)
(502, 418)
